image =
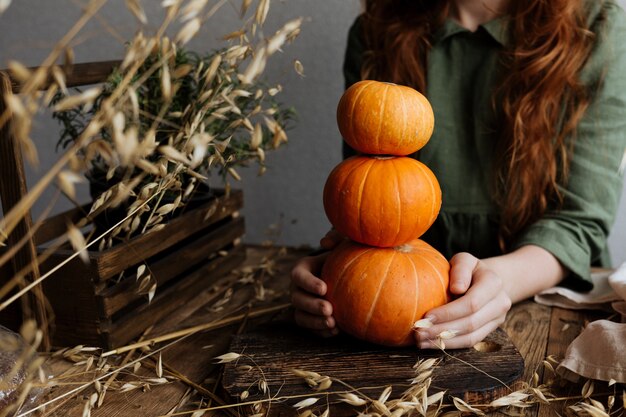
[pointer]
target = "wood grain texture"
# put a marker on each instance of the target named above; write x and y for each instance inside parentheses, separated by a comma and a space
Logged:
(71, 294)
(169, 266)
(565, 326)
(136, 321)
(528, 324)
(281, 346)
(56, 226)
(194, 356)
(12, 190)
(113, 261)
(182, 258)
(77, 74)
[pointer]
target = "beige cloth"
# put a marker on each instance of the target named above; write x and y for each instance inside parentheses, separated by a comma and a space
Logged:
(599, 298)
(599, 352)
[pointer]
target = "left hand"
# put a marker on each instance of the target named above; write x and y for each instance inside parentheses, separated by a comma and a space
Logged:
(481, 307)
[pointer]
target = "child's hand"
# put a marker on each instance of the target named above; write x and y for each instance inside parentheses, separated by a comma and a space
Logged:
(307, 290)
(480, 309)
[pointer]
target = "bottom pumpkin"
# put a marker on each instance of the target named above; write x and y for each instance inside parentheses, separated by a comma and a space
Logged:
(379, 293)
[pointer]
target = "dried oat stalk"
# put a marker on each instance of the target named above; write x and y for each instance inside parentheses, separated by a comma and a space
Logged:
(180, 118)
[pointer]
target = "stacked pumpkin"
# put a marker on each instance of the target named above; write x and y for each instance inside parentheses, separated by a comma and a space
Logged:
(383, 279)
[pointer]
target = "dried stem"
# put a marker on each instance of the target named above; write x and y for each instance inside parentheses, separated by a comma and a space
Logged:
(101, 377)
(14, 216)
(199, 328)
(24, 290)
(473, 366)
(195, 386)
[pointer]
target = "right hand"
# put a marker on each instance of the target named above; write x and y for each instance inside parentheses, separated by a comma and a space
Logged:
(307, 291)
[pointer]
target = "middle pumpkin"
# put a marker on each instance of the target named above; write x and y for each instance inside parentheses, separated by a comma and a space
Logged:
(382, 201)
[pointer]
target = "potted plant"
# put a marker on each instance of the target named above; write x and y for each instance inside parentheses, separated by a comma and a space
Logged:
(181, 117)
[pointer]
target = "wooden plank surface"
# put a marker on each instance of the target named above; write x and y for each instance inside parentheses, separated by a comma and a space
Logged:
(112, 261)
(194, 356)
(136, 321)
(56, 226)
(71, 293)
(565, 326)
(529, 325)
(171, 265)
(12, 190)
(275, 349)
(77, 74)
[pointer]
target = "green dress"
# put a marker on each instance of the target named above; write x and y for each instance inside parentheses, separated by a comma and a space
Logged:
(462, 69)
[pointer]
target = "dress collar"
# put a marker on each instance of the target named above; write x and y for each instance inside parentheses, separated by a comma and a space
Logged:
(497, 28)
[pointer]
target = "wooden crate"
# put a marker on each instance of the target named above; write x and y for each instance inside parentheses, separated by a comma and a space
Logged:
(94, 306)
(91, 303)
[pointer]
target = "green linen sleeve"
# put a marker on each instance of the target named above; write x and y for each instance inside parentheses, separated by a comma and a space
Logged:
(576, 234)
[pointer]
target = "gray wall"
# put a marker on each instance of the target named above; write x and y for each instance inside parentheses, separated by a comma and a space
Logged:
(285, 204)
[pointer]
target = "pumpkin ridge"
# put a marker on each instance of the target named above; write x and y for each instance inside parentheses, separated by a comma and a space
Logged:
(345, 180)
(375, 300)
(404, 122)
(417, 287)
(360, 198)
(443, 260)
(441, 279)
(351, 113)
(341, 276)
(382, 116)
(433, 208)
(399, 199)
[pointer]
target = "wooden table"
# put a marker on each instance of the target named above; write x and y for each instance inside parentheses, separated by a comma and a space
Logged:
(538, 331)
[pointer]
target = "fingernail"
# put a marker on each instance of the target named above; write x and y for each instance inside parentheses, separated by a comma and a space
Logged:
(328, 323)
(324, 309)
(423, 324)
(431, 318)
(320, 289)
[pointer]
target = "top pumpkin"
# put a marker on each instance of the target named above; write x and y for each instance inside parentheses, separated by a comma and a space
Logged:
(380, 118)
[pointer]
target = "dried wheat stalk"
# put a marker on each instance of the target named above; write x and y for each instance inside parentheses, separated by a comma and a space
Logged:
(198, 138)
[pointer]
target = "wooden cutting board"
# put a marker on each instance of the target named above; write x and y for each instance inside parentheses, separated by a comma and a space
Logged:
(269, 352)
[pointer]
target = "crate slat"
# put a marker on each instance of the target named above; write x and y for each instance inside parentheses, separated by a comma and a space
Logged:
(56, 226)
(113, 261)
(176, 252)
(168, 267)
(76, 75)
(70, 291)
(92, 309)
(134, 323)
(110, 262)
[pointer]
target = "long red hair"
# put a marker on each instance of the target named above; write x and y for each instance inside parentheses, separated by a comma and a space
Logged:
(540, 99)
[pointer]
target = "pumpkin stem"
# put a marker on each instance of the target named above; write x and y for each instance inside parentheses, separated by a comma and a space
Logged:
(406, 248)
(382, 157)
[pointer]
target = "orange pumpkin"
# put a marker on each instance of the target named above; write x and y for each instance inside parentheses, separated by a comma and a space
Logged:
(384, 119)
(383, 201)
(379, 293)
